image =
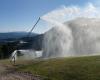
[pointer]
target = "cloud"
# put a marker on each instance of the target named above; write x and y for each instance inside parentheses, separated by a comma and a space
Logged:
(64, 13)
(89, 11)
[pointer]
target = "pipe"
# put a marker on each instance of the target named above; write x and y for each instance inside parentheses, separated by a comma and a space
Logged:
(33, 27)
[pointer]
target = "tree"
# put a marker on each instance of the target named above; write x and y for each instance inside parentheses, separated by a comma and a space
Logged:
(1, 53)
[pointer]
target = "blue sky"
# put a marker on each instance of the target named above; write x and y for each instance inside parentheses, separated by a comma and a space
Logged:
(20, 15)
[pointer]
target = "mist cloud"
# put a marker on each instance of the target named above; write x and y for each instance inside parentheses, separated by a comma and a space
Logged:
(64, 13)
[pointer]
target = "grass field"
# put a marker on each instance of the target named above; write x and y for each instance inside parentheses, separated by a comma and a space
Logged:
(79, 68)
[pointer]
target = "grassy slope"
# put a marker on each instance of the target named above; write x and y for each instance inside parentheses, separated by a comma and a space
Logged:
(80, 68)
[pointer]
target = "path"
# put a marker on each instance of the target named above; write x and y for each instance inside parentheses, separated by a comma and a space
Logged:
(6, 73)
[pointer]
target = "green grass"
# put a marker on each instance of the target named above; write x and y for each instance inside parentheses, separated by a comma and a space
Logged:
(80, 68)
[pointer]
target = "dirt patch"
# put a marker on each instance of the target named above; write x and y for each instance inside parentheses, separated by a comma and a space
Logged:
(8, 72)
(18, 76)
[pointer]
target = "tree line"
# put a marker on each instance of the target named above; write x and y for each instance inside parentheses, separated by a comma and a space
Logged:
(6, 50)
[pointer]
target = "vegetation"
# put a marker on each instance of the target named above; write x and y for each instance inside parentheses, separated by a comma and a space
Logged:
(6, 50)
(1, 52)
(80, 68)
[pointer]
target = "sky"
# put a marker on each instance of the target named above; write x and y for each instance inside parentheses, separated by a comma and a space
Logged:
(21, 15)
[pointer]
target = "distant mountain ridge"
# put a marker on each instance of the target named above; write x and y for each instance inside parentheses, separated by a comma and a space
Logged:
(9, 35)
(33, 41)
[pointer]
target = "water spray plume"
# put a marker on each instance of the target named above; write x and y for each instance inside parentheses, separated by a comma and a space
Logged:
(74, 37)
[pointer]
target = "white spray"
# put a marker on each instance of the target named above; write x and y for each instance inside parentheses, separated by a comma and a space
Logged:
(14, 55)
(75, 37)
(25, 54)
(55, 41)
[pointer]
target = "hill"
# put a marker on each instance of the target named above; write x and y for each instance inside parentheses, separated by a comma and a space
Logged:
(10, 36)
(8, 45)
(14, 35)
(79, 68)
